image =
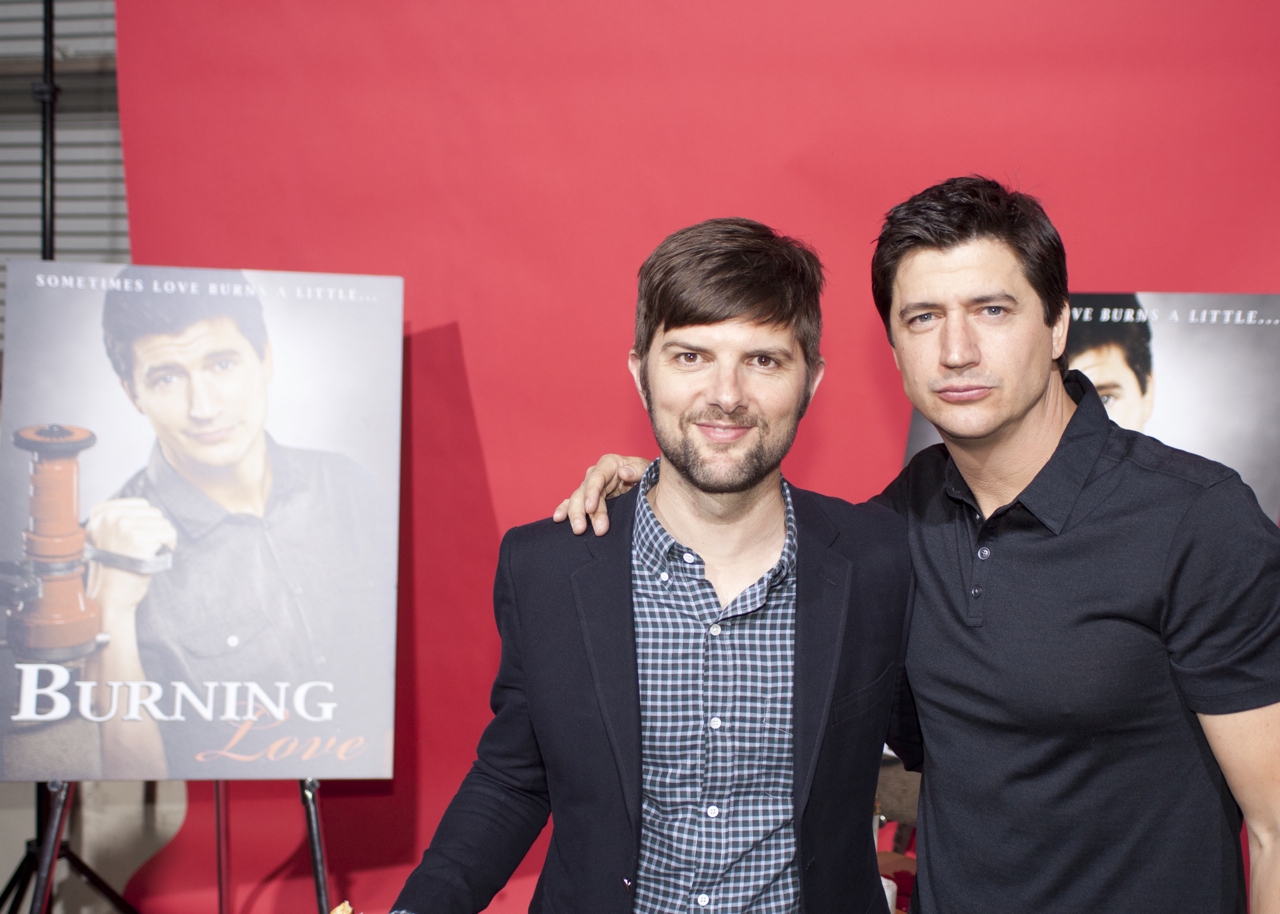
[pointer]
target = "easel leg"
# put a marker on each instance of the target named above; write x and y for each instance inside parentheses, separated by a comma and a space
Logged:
(222, 825)
(59, 802)
(311, 802)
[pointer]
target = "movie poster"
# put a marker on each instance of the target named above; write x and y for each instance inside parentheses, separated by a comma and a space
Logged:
(1196, 371)
(199, 475)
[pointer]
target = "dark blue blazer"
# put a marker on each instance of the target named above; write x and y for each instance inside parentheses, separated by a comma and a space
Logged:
(565, 736)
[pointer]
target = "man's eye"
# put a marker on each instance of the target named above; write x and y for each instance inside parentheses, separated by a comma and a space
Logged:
(163, 380)
(1107, 399)
(920, 319)
(994, 309)
(224, 364)
(688, 357)
(765, 362)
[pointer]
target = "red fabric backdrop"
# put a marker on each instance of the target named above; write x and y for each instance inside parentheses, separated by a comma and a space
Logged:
(515, 162)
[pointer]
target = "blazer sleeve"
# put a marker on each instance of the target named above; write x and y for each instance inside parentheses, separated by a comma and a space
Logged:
(503, 802)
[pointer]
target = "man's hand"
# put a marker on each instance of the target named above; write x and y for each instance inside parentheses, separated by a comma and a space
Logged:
(610, 477)
(132, 527)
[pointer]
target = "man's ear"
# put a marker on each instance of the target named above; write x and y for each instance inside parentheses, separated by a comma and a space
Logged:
(815, 376)
(638, 366)
(1060, 327)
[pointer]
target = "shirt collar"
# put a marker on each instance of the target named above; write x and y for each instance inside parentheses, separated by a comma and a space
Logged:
(197, 513)
(658, 549)
(1055, 489)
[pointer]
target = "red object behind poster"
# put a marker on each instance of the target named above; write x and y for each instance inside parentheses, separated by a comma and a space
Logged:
(516, 163)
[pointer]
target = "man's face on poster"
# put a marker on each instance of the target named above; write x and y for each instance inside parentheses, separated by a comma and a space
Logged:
(1128, 405)
(204, 391)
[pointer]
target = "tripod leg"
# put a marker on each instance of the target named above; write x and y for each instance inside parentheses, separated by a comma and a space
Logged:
(311, 803)
(19, 880)
(86, 873)
(59, 803)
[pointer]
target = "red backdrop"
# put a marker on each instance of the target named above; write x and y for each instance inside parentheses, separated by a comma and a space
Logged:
(515, 162)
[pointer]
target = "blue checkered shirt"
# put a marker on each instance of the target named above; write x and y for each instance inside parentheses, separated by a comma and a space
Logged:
(718, 829)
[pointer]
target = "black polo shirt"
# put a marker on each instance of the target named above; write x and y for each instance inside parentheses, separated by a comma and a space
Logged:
(1059, 652)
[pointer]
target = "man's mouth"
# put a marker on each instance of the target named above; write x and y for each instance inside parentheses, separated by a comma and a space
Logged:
(211, 436)
(723, 434)
(963, 393)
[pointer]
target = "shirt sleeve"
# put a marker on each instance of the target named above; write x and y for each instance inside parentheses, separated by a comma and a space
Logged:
(1221, 622)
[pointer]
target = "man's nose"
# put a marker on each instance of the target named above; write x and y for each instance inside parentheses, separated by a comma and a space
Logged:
(960, 347)
(727, 390)
(202, 404)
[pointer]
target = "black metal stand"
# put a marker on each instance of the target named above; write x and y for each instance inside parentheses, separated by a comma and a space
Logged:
(53, 806)
(46, 92)
(315, 838)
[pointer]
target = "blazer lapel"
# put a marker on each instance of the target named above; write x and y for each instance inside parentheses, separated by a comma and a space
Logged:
(602, 590)
(823, 581)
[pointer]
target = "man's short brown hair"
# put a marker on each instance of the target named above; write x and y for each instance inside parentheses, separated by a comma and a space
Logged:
(731, 269)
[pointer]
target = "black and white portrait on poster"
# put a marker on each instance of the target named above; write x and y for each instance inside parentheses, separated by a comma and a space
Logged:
(1197, 371)
(199, 476)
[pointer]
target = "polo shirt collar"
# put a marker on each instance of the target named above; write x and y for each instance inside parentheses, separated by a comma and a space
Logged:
(1052, 494)
(197, 513)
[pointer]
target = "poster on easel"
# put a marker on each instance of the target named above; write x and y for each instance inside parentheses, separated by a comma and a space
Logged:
(1195, 370)
(199, 487)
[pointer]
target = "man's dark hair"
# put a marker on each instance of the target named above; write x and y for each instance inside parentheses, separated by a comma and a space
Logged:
(1125, 327)
(960, 210)
(730, 269)
(128, 316)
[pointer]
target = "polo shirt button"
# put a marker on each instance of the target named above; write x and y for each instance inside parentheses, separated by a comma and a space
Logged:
(715, 628)
(233, 641)
(984, 553)
(715, 723)
(713, 811)
(977, 591)
(664, 576)
(704, 899)
(689, 557)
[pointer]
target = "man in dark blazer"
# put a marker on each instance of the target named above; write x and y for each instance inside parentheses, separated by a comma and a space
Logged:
(699, 697)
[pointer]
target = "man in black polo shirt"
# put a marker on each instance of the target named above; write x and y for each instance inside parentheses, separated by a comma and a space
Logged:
(1095, 644)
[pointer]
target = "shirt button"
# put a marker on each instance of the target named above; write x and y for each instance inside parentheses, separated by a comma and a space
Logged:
(664, 576)
(715, 723)
(689, 557)
(715, 628)
(233, 641)
(713, 811)
(977, 591)
(984, 553)
(704, 899)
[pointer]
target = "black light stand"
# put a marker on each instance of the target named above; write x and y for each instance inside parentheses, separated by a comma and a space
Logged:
(53, 803)
(53, 800)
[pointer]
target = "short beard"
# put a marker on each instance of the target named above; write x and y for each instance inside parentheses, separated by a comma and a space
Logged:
(679, 451)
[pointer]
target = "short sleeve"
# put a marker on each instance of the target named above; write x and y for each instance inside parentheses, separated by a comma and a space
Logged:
(1221, 621)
